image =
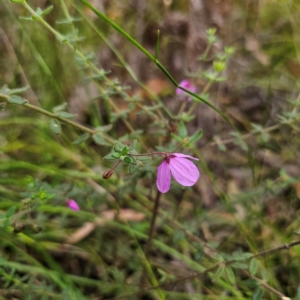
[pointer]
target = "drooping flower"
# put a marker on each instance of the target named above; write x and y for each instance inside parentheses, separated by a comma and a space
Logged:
(187, 84)
(73, 204)
(183, 170)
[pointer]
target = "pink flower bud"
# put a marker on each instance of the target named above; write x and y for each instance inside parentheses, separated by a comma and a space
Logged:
(73, 204)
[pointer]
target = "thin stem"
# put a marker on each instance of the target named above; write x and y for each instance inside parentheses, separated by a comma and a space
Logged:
(205, 90)
(18, 215)
(157, 45)
(152, 226)
(149, 154)
(150, 238)
(64, 120)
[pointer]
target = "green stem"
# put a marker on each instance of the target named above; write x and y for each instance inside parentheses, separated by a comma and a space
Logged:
(64, 120)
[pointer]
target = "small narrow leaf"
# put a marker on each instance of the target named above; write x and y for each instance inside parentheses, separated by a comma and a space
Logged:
(230, 275)
(132, 146)
(98, 139)
(25, 18)
(257, 294)
(116, 155)
(239, 265)
(60, 107)
(109, 157)
(124, 151)
(133, 168)
(242, 256)
(253, 265)
(196, 136)
(264, 275)
(177, 138)
(55, 126)
(20, 90)
(10, 211)
(46, 11)
(66, 115)
(118, 147)
(14, 99)
(81, 139)
(128, 160)
(104, 128)
(219, 272)
(182, 130)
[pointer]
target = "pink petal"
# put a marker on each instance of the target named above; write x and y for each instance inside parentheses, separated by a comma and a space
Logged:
(163, 180)
(185, 156)
(184, 171)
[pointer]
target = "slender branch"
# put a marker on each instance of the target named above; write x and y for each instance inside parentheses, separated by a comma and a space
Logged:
(149, 154)
(150, 240)
(64, 120)
(152, 226)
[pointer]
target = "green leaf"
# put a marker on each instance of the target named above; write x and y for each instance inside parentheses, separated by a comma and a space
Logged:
(81, 139)
(60, 107)
(242, 256)
(66, 115)
(14, 99)
(133, 168)
(118, 146)
(196, 136)
(26, 18)
(239, 265)
(104, 128)
(182, 130)
(124, 151)
(55, 126)
(251, 283)
(20, 90)
(128, 160)
(253, 265)
(116, 155)
(230, 275)
(98, 139)
(264, 274)
(10, 211)
(177, 138)
(219, 272)
(132, 146)
(257, 294)
(109, 157)
(46, 11)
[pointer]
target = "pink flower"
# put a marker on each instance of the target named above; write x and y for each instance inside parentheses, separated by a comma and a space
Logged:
(185, 83)
(182, 169)
(73, 204)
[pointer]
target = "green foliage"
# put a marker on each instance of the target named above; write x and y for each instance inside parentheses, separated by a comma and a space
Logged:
(246, 200)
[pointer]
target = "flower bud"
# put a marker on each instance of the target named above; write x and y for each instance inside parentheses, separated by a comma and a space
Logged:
(73, 204)
(219, 66)
(107, 174)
